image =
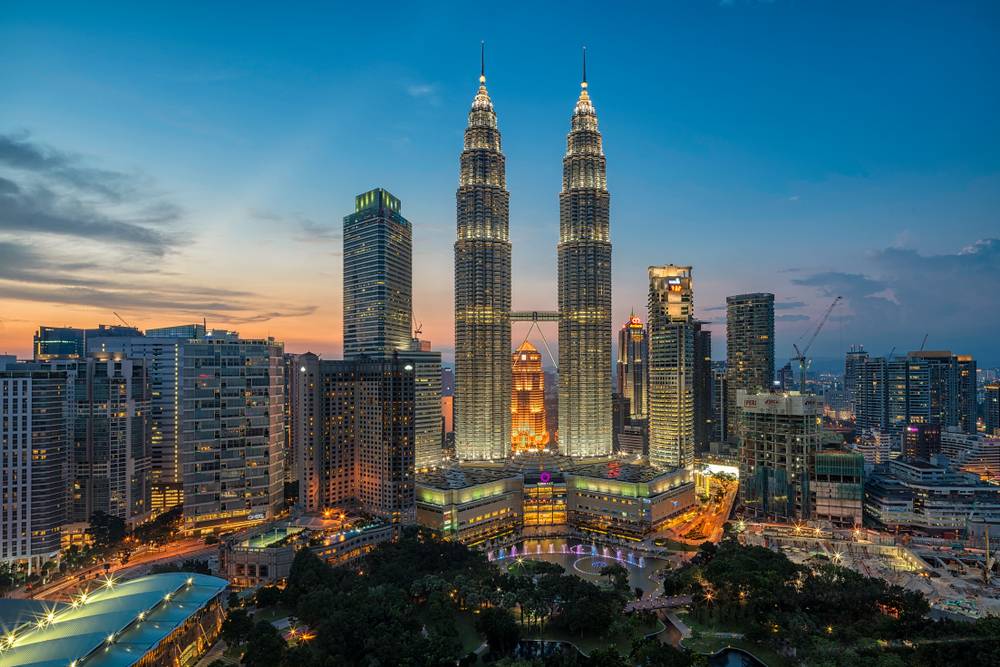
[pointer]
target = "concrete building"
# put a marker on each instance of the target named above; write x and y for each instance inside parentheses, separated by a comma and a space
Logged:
(354, 432)
(160, 350)
(854, 362)
(527, 403)
(232, 430)
(977, 454)
(779, 437)
(720, 406)
(111, 470)
(378, 276)
(482, 290)
(991, 408)
(470, 505)
(584, 261)
(749, 350)
(934, 387)
(34, 463)
(921, 441)
(927, 498)
(672, 336)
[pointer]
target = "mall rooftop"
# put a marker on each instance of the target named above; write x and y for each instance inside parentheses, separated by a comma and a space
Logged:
(113, 626)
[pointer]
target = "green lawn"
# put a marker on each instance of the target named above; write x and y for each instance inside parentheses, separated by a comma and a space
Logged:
(271, 614)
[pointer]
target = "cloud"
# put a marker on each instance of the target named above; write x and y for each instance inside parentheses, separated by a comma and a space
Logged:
(955, 297)
(307, 229)
(51, 192)
(422, 91)
(791, 318)
(788, 305)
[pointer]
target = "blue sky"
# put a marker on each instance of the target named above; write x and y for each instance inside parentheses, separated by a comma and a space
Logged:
(805, 148)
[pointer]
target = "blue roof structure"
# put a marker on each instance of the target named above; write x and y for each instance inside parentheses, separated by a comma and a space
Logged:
(114, 626)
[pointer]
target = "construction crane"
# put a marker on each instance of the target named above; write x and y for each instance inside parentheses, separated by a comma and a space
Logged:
(122, 320)
(800, 355)
(924, 342)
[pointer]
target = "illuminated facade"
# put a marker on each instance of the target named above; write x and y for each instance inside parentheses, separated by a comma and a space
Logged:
(527, 409)
(991, 409)
(354, 434)
(35, 453)
(470, 505)
(584, 257)
(672, 334)
(232, 430)
(378, 291)
(749, 350)
(633, 349)
(482, 291)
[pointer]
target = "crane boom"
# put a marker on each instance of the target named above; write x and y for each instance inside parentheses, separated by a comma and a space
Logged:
(800, 355)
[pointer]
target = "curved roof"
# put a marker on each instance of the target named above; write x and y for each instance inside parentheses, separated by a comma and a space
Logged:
(114, 626)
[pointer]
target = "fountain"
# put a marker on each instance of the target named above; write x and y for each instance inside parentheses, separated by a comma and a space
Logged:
(538, 549)
(593, 549)
(513, 551)
(552, 548)
(604, 552)
(489, 556)
(618, 555)
(642, 562)
(631, 558)
(500, 553)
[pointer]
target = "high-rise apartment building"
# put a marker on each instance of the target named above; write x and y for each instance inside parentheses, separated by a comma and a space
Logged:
(161, 350)
(870, 394)
(671, 366)
(703, 416)
(991, 408)
(482, 290)
(34, 463)
(527, 403)
(779, 437)
(58, 343)
(933, 387)
(111, 404)
(232, 430)
(921, 441)
(354, 431)
(584, 257)
(378, 276)
(749, 349)
(854, 363)
(428, 446)
(633, 362)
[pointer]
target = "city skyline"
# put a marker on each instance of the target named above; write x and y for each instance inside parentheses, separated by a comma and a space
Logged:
(766, 163)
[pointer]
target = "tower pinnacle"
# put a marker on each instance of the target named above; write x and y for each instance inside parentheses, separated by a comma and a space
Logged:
(583, 84)
(482, 61)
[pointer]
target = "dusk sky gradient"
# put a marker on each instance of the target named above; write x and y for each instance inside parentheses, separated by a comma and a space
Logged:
(173, 161)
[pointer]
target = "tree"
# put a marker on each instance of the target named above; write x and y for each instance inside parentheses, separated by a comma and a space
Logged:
(237, 627)
(652, 653)
(266, 646)
(268, 596)
(617, 575)
(105, 530)
(606, 657)
(500, 629)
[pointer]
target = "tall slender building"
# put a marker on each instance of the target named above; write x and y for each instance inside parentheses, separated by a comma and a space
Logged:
(633, 361)
(584, 289)
(378, 276)
(672, 334)
(482, 290)
(528, 400)
(703, 419)
(749, 350)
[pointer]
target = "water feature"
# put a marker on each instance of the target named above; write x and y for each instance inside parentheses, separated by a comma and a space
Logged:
(734, 657)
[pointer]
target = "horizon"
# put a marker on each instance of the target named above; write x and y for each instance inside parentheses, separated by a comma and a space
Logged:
(806, 151)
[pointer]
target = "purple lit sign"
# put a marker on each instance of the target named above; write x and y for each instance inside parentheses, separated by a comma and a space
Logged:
(545, 477)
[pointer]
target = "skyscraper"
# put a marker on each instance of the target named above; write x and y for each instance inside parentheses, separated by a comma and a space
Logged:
(703, 416)
(232, 430)
(991, 409)
(482, 290)
(749, 349)
(853, 363)
(871, 394)
(528, 431)
(671, 366)
(378, 275)
(58, 343)
(111, 437)
(633, 361)
(584, 254)
(931, 387)
(354, 430)
(34, 451)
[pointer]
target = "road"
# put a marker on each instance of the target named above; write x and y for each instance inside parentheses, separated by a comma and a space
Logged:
(65, 587)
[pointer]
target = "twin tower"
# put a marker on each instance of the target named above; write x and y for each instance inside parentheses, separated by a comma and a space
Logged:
(483, 290)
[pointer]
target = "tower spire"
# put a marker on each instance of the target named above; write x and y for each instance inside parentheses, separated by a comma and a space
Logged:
(584, 83)
(482, 61)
